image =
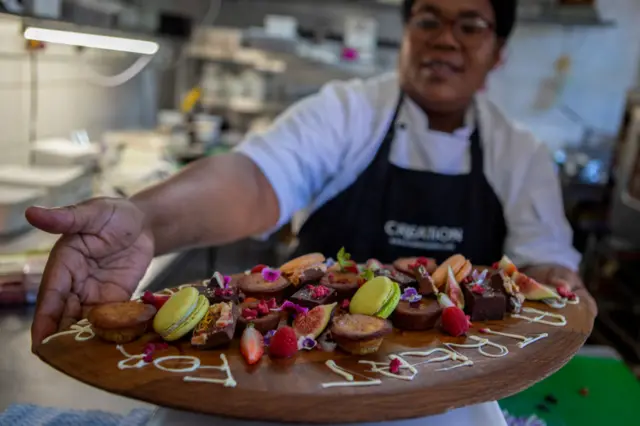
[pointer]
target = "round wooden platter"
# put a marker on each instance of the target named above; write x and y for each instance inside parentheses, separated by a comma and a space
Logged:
(291, 391)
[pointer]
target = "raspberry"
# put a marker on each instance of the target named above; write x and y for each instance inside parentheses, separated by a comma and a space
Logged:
(394, 366)
(310, 287)
(284, 344)
(496, 265)
(477, 289)
(565, 291)
(272, 304)
(352, 267)
(257, 269)
(345, 304)
(249, 314)
(454, 321)
(263, 308)
(422, 261)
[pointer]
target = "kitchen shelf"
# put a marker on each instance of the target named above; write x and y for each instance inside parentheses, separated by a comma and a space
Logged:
(567, 16)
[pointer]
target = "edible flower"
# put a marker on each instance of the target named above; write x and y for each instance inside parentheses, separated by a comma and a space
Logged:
(307, 343)
(479, 277)
(268, 336)
(270, 275)
(222, 280)
(394, 366)
(329, 262)
(411, 295)
(290, 305)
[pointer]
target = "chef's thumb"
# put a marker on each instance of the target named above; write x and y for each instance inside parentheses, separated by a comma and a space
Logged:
(63, 220)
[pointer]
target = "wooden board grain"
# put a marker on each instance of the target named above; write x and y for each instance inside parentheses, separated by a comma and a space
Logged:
(290, 390)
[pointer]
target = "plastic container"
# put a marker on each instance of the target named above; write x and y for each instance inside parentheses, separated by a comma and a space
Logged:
(62, 186)
(13, 202)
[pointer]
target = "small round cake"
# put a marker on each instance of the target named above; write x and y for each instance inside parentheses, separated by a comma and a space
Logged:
(257, 287)
(360, 334)
(260, 315)
(416, 316)
(121, 322)
(405, 264)
(344, 283)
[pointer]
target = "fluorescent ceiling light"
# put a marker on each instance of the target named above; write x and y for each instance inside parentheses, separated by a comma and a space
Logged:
(91, 40)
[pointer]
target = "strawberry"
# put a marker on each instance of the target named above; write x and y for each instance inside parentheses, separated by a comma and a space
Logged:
(352, 267)
(454, 321)
(251, 345)
(284, 344)
(149, 298)
(258, 268)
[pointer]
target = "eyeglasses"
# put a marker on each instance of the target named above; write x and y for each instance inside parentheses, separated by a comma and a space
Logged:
(469, 30)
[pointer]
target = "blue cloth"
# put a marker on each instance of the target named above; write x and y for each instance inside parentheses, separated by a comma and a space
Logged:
(33, 415)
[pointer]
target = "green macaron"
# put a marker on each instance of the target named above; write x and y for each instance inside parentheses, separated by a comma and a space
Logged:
(378, 297)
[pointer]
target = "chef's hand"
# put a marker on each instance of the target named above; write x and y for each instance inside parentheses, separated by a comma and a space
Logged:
(101, 256)
(557, 276)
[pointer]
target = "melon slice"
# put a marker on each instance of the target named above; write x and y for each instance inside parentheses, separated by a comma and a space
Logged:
(453, 290)
(533, 290)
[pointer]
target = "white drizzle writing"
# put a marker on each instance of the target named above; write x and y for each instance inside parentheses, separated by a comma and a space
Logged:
(525, 341)
(195, 365)
(561, 303)
(82, 330)
(540, 318)
(349, 377)
(480, 347)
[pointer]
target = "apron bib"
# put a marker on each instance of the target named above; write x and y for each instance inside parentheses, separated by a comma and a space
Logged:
(391, 212)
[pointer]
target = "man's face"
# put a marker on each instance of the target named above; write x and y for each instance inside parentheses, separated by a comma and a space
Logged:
(448, 48)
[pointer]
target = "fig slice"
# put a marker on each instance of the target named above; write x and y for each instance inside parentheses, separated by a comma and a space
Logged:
(314, 322)
(453, 290)
(533, 290)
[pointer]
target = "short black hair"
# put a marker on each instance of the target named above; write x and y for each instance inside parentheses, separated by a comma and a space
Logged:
(505, 11)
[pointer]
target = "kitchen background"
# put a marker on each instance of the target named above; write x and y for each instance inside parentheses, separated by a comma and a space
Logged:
(82, 121)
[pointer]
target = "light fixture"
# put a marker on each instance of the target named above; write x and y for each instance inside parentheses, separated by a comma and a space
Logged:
(73, 38)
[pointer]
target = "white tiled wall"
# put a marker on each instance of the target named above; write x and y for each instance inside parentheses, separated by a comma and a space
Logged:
(604, 66)
(66, 98)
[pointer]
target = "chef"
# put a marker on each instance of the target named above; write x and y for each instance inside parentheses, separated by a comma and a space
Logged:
(414, 162)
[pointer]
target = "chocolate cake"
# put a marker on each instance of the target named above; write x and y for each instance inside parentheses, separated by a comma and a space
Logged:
(416, 316)
(506, 286)
(217, 327)
(344, 283)
(311, 296)
(483, 302)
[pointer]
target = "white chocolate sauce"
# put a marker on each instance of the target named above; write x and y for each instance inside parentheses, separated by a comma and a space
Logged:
(480, 347)
(82, 330)
(165, 292)
(195, 366)
(540, 318)
(449, 356)
(562, 303)
(229, 382)
(349, 376)
(525, 341)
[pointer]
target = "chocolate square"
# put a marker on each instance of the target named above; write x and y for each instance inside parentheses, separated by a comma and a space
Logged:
(208, 334)
(483, 302)
(401, 278)
(304, 297)
(513, 302)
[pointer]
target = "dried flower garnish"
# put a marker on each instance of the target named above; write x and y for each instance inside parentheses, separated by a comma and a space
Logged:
(411, 295)
(270, 275)
(150, 348)
(394, 366)
(268, 336)
(307, 343)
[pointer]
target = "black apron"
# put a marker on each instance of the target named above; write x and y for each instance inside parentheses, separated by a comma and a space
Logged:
(390, 212)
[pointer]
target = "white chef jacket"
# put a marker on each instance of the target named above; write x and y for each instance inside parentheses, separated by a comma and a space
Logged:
(318, 148)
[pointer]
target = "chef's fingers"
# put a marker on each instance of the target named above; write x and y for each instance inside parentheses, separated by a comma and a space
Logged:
(55, 287)
(585, 297)
(88, 217)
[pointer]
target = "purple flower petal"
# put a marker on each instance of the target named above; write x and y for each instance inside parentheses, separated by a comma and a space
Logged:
(268, 336)
(307, 343)
(290, 305)
(270, 275)
(411, 295)
(329, 262)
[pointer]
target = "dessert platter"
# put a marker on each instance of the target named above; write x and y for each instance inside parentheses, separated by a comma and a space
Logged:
(323, 341)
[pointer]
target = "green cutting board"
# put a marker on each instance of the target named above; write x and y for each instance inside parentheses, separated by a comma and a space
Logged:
(612, 396)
